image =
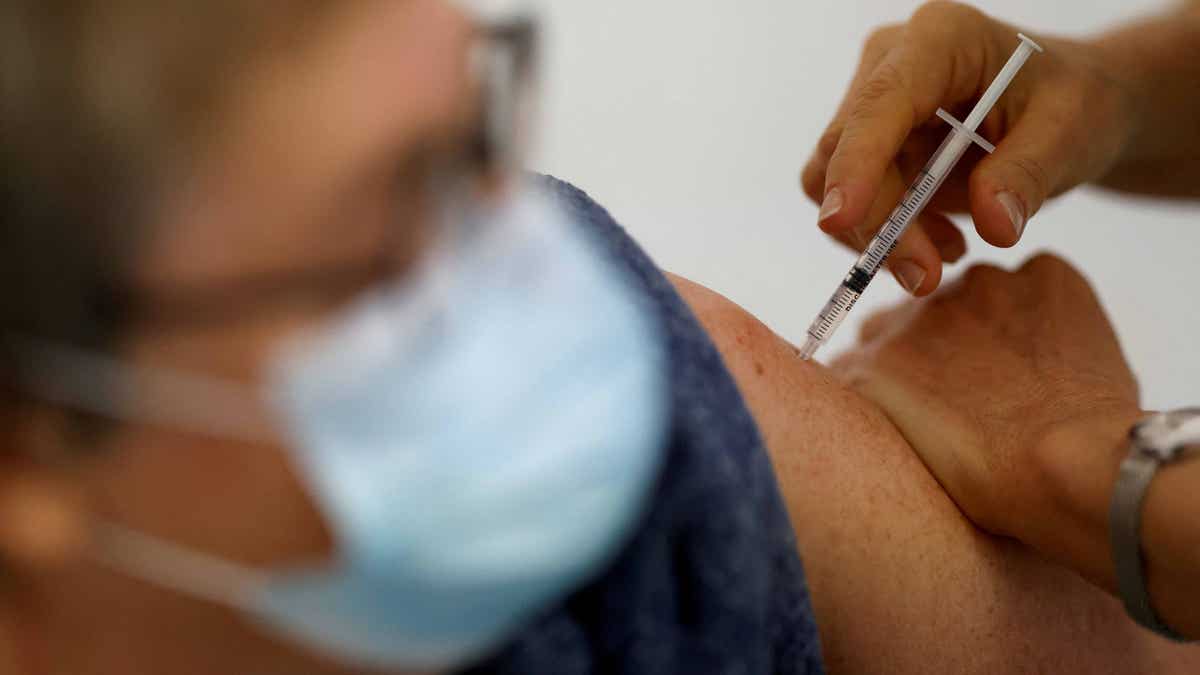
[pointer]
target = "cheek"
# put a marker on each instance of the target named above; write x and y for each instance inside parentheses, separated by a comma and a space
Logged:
(238, 501)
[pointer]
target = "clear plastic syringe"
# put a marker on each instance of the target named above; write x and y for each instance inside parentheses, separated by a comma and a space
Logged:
(922, 190)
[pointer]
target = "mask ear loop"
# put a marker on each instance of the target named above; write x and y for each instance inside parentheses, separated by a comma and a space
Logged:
(178, 569)
(101, 385)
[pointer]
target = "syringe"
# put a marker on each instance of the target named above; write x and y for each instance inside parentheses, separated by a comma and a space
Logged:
(922, 190)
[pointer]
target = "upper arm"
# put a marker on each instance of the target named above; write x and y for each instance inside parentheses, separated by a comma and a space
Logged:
(900, 581)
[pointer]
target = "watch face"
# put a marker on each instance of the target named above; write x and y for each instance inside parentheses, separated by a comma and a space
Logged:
(1164, 435)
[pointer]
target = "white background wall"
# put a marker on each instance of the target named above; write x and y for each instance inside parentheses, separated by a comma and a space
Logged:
(690, 119)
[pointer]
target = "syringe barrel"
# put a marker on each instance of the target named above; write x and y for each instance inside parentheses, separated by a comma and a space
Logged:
(946, 158)
(914, 201)
(834, 312)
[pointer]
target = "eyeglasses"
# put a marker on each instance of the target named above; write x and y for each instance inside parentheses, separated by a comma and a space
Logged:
(503, 61)
(507, 57)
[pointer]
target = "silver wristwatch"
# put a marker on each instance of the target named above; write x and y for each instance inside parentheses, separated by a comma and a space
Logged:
(1157, 440)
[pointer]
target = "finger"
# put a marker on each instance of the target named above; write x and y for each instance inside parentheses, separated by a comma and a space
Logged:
(939, 63)
(987, 291)
(879, 120)
(949, 241)
(1058, 276)
(1029, 165)
(945, 236)
(812, 177)
(850, 240)
(915, 262)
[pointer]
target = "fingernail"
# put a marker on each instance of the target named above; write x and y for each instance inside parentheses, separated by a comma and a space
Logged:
(909, 274)
(1016, 211)
(832, 204)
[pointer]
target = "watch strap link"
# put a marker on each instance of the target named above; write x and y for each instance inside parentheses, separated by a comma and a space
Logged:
(1125, 517)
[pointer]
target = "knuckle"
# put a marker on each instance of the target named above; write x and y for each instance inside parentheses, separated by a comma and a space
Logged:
(829, 141)
(887, 80)
(983, 274)
(946, 14)
(887, 77)
(1044, 261)
(881, 39)
(813, 181)
(1034, 172)
(1053, 271)
(986, 290)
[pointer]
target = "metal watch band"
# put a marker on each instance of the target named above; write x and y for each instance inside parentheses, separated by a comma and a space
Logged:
(1125, 527)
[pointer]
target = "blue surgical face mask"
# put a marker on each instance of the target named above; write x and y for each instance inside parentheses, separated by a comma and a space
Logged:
(480, 439)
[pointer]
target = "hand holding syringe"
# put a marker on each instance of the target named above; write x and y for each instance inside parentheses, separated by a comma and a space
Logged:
(927, 182)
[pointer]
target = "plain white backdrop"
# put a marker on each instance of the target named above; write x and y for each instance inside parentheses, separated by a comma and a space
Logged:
(690, 120)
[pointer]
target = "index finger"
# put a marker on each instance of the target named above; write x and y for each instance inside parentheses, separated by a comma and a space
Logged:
(812, 177)
(884, 113)
(936, 63)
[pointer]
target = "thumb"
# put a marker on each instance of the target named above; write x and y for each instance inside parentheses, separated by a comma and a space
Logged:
(1009, 187)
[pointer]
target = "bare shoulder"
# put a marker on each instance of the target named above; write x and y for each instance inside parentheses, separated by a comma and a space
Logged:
(900, 581)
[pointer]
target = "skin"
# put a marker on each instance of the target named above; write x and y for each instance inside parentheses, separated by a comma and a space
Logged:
(1030, 441)
(377, 90)
(1115, 110)
(375, 95)
(901, 581)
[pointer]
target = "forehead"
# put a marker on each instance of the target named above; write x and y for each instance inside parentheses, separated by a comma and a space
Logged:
(308, 140)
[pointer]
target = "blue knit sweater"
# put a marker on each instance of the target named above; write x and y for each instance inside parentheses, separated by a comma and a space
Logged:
(711, 582)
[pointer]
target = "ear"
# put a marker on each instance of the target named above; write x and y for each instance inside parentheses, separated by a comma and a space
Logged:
(41, 512)
(41, 526)
(42, 523)
(41, 518)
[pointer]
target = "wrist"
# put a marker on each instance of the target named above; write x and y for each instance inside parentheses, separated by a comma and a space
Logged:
(1144, 62)
(1125, 78)
(1079, 462)
(1170, 540)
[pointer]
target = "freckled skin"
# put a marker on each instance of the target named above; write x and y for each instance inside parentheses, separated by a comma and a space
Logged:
(901, 582)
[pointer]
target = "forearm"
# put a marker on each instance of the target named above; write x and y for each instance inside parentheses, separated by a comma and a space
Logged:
(1157, 62)
(1083, 464)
